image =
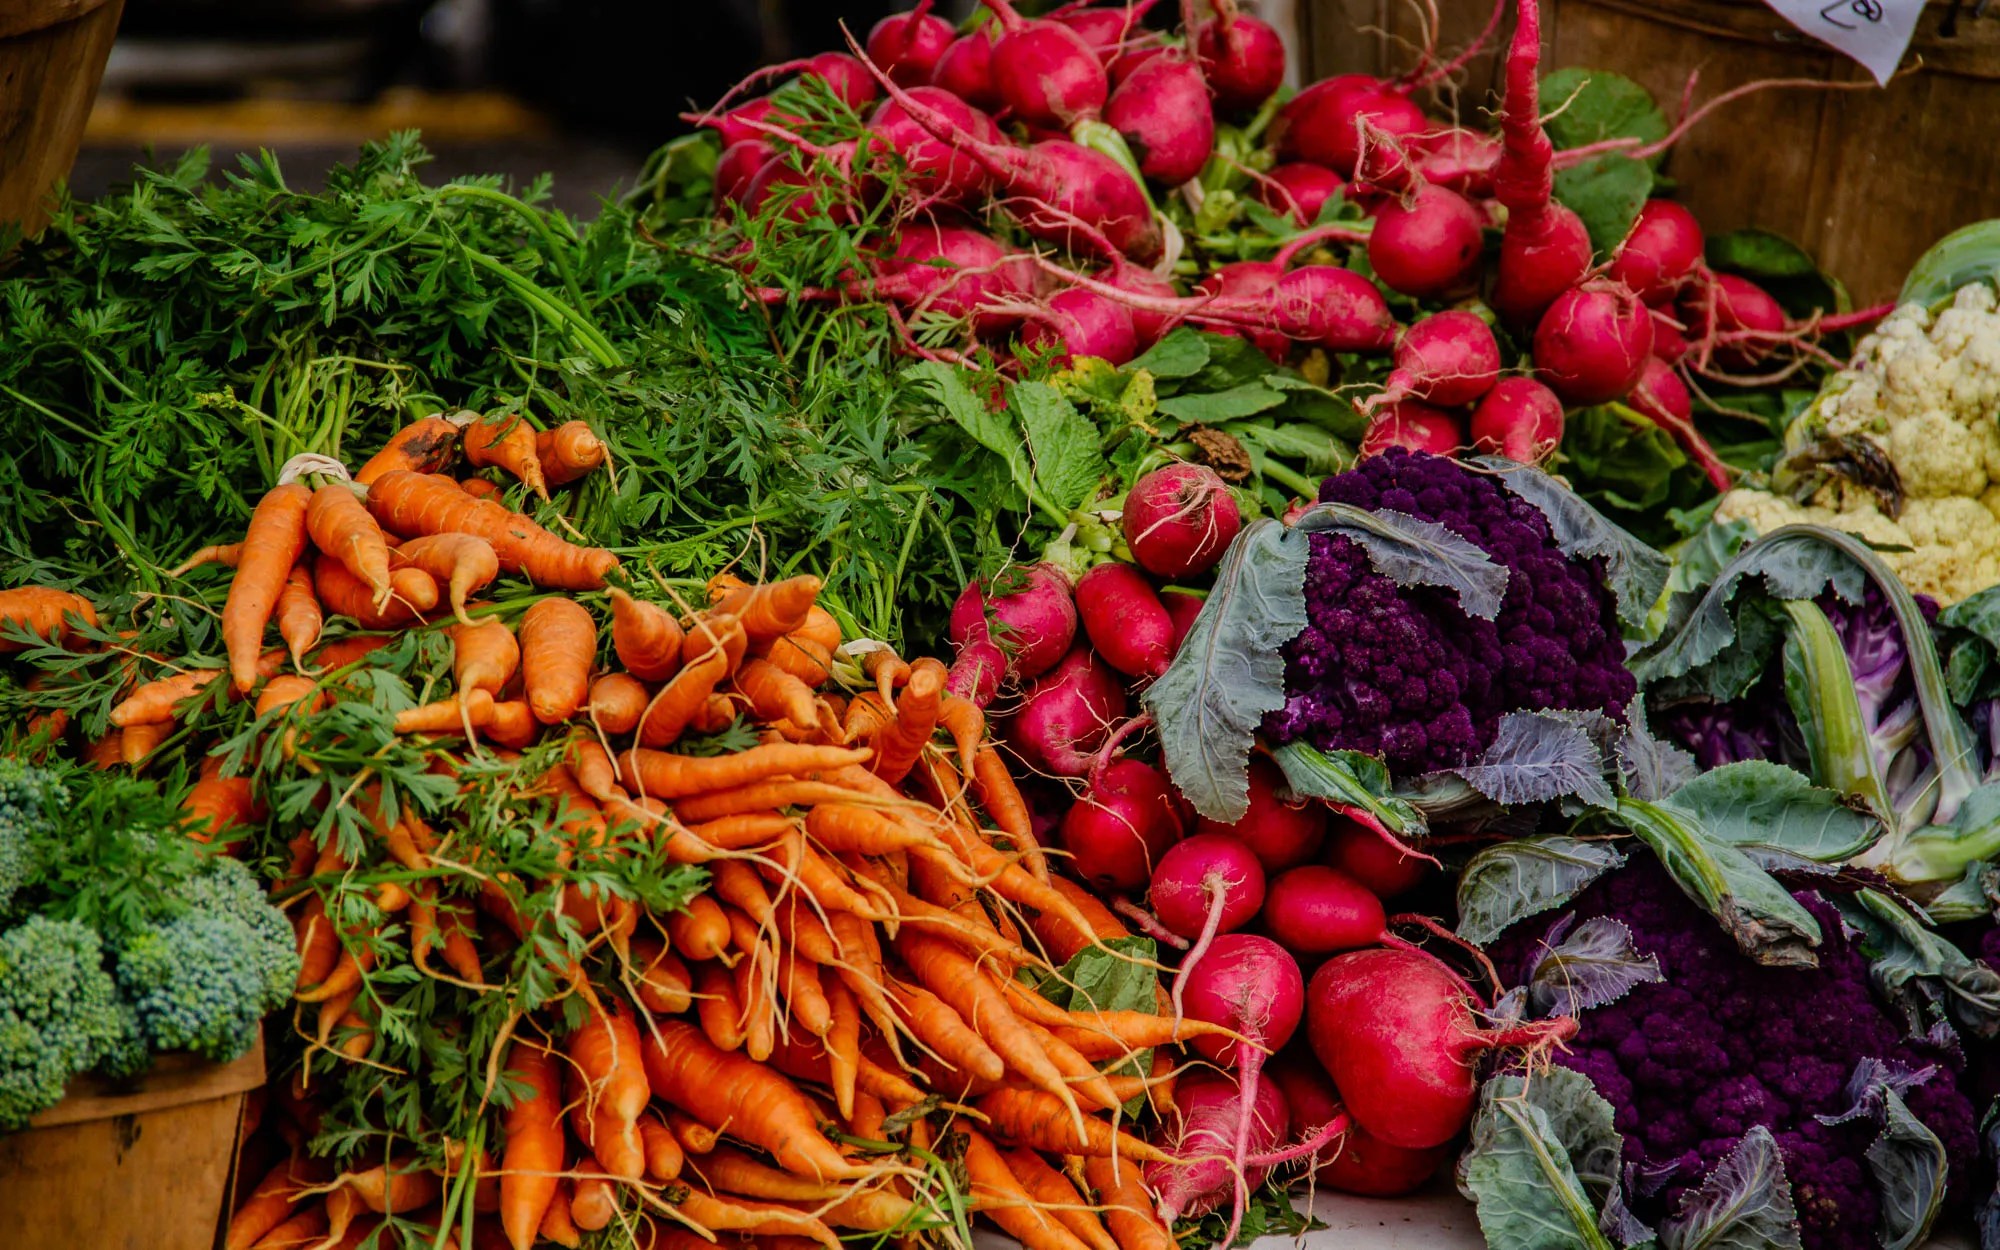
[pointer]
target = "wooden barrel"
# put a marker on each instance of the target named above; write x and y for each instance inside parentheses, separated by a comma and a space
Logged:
(1866, 180)
(144, 1165)
(52, 55)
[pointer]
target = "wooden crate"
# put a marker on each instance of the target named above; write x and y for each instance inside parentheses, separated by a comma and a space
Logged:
(1865, 180)
(143, 1165)
(52, 55)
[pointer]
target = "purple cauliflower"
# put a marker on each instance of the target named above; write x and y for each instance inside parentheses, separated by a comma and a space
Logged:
(1404, 673)
(1723, 1043)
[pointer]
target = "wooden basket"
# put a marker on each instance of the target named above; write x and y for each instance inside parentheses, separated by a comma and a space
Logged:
(52, 55)
(1865, 180)
(143, 1165)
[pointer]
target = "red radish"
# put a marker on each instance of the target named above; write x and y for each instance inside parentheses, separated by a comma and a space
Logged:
(1125, 620)
(1662, 398)
(1520, 419)
(1122, 825)
(977, 671)
(1659, 252)
(908, 45)
(1249, 985)
(1448, 359)
(1242, 58)
(1545, 249)
(1360, 1164)
(1239, 282)
(1208, 1112)
(1182, 608)
(1395, 1030)
(1179, 519)
(1082, 323)
(966, 70)
(1426, 241)
(1669, 344)
(1127, 63)
(1323, 305)
(1032, 616)
(1162, 110)
(1105, 28)
(811, 191)
(1210, 883)
(1724, 304)
(1412, 426)
(1045, 71)
(1077, 180)
(1299, 189)
(1322, 123)
(1366, 856)
(1066, 715)
(1457, 159)
(734, 126)
(1280, 834)
(1593, 342)
(1120, 271)
(737, 165)
(954, 271)
(1314, 910)
(935, 168)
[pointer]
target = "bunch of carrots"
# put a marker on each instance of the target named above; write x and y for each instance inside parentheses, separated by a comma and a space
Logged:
(824, 1033)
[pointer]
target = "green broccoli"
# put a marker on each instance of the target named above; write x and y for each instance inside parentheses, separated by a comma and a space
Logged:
(202, 979)
(26, 795)
(59, 1014)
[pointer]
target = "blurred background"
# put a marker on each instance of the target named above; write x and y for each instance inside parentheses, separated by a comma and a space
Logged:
(582, 89)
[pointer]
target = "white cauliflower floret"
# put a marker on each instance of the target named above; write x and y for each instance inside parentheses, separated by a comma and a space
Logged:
(1954, 544)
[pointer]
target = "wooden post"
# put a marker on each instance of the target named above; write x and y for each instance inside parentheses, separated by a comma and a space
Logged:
(52, 55)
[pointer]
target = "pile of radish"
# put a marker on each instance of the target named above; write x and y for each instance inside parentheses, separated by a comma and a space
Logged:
(1089, 132)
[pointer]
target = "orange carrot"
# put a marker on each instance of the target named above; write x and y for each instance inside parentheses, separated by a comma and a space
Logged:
(737, 884)
(471, 710)
(817, 877)
(506, 442)
(44, 612)
(1128, 1207)
(319, 943)
(344, 594)
(349, 650)
(695, 1137)
(136, 742)
(568, 452)
(1036, 1118)
(946, 1032)
(396, 1186)
(669, 776)
(298, 613)
(558, 643)
(645, 636)
(682, 699)
(846, 827)
(767, 1220)
(269, 1205)
(1001, 1198)
(424, 446)
(664, 984)
(739, 1173)
(484, 655)
(463, 563)
(774, 694)
(216, 553)
(617, 700)
(718, 1007)
(593, 1203)
(595, 774)
(799, 982)
(276, 537)
(1090, 1084)
(700, 930)
(216, 805)
(759, 1012)
(534, 1153)
(966, 723)
(843, 1044)
(306, 1228)
(341, 528)
(513, 724)
(886, 669)
(664, 1157)
(759, 796)
(556, 1223)
(154, 702)
(480, 488)
(946, 971)
(769, 612)
(802, 658)
(412, 505)
(288, 689)
(711, 629)
(754, 1102)
(1059, 1198)
(611, 1091)
(1058, 930)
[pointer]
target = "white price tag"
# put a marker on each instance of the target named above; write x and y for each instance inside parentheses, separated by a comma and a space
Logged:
(1873, 32)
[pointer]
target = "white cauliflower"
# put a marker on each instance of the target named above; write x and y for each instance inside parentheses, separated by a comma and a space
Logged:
(1925, 392)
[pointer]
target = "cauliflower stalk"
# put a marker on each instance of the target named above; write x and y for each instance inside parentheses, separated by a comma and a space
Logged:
(1903, 449)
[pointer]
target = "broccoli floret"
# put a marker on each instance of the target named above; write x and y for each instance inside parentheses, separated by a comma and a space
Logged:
(1403, 672)
(58, 1013)
(1723, 1043)
(203, 979)
(26, 794)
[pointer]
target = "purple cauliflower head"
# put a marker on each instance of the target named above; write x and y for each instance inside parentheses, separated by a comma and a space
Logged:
(1404, 673)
